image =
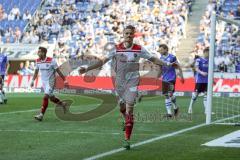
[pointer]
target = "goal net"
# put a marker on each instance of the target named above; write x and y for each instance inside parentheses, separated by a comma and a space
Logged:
(224, 71)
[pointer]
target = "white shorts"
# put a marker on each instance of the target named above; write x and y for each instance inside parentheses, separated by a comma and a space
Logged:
(48, 87)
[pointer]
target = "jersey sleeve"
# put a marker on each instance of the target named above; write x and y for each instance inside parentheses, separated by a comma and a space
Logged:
(174, 59)
(145, 53)
(197, 63)
(54, 64)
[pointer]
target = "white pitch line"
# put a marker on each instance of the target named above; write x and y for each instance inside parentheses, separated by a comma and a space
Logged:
(144, 142)
(23, 111)
(155, 139)
(33, 110)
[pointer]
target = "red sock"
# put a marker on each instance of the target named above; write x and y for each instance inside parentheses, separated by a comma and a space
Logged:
(55, 100)
(44, 105)
(129, 121)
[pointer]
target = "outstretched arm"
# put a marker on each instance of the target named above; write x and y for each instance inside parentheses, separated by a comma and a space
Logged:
(62, 76)
(94, 66)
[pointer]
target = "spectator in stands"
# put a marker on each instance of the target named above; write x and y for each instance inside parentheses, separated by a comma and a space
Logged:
(34, 37)
(237, 13)
(67, 21)
(3, 14)
(21, 70)
(17, 34)
(26, 38)
(28, 69)
(11, 17)
(16, 12)
(50, 2)
(27, 16)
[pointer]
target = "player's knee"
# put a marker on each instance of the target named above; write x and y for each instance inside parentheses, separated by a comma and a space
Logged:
(122, 109)
(166, 95)
(194, 96)
(46, 96)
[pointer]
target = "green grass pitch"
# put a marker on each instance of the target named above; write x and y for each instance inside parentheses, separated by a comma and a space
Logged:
(23, 138)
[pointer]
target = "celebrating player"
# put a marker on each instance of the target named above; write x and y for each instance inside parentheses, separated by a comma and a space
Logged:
(169, 79)
(47, 67)
(3, 71)
(201, 78)
(125, 62)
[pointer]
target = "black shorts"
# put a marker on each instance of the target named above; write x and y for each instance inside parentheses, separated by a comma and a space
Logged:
(168, 87)
(201, 87)
(2, 79)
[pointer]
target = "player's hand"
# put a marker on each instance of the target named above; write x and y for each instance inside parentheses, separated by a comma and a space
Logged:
(204, 73)
(82, 70)
(174, 64)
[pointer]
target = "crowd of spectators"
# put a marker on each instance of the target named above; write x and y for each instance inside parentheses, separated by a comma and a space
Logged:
(85, 27)
(81, 27)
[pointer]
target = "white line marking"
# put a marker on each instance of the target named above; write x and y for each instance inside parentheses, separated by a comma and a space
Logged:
(144, 142)
(33, 110)
(154, 139)
(23, 111)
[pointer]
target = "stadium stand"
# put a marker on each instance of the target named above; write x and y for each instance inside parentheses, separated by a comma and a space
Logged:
(13, 18)
(227, 38)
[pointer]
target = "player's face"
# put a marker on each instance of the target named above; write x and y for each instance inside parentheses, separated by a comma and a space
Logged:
(128, 35)
(162, 51)
(41, 54)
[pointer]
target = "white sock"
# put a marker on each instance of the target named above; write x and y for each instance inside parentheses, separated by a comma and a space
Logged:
(193, 99)
(168, 105)
(1, 97)
(174, 104)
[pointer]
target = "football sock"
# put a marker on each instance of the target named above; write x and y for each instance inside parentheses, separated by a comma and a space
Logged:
(168, 104)
(44, 105)
(129, 121)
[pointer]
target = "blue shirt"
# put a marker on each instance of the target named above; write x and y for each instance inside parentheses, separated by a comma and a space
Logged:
(168, 72)
(3, 63)
(202, 65)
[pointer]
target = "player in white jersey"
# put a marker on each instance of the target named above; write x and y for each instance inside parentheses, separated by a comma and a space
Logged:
(47, 67)
(125, 62)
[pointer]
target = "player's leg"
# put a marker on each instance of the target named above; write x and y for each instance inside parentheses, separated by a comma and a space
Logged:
(204, 90)
(39, 116)
(130, 97)
(1, 94)
(47, 92)
(129, 122)
(173, 98)
(3, 98)
(194, 97)
(168, 102)
(58, 102)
